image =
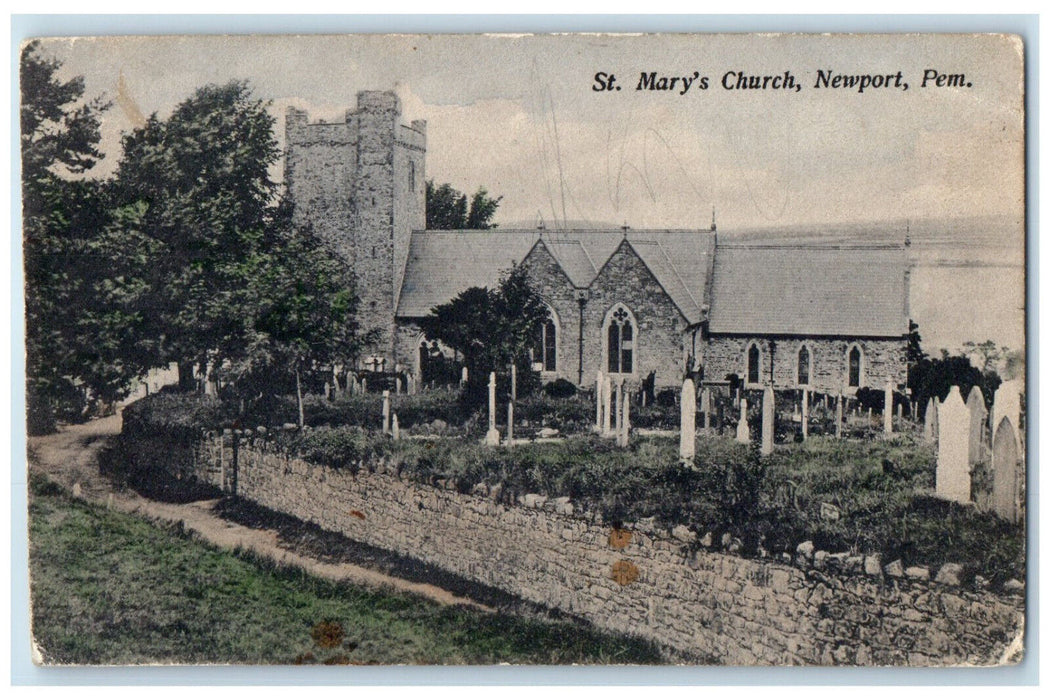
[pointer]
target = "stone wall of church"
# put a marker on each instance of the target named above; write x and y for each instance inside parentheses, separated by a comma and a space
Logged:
(548, 280)
(882, 359)
(626, 280)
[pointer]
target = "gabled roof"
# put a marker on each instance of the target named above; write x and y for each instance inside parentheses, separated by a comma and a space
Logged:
(809, 289)
(441, 264)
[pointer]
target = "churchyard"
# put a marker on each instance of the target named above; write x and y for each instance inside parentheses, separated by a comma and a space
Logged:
(824, 471)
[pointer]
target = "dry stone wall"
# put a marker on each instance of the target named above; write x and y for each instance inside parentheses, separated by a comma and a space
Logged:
(667, 587)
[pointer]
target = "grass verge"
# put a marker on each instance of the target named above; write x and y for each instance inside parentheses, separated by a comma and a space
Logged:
(110, 588)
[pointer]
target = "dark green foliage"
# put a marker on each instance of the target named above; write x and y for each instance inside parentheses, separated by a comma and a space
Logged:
(491, 329)
(560, 388)
(109, 588)
(447, 208)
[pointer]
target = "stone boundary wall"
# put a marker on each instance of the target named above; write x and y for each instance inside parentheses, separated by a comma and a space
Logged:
(662, 586)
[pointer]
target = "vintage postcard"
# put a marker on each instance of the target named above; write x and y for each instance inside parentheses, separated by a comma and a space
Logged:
(530, 349)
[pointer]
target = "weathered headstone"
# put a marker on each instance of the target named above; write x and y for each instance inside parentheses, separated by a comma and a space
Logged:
(397, 385)
(386, 411)
(687, 434)
(464, 375)
(768, 412)
(617, 407)
(364, 385)
(887, 409)
(838, 416)
(395, 427)
(510, 422)
(492, 436)
(606, 406)
(743, 432)
(953, 448)
(599, 400)
(805, 413)
(978, 417)
(513, 382)
(929, 428)
(625, 422)
(900, 415)
(1007, 404)
(1006, 474)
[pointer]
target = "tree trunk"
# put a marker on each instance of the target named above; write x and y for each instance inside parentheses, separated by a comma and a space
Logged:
(299, 399)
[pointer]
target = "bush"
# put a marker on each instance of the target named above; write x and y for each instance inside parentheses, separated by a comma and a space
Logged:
(560, 388)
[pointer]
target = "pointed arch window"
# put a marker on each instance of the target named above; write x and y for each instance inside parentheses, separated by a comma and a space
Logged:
(854, 366)
(754, 364)
(545, 345)
(620, 339)
(804, 365)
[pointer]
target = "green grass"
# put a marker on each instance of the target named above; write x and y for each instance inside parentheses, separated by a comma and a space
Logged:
(110, 588)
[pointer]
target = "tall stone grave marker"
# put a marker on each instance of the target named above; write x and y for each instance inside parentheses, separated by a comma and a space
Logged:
(1007, 404)
(687, 435)
(599, 401)
(768, 413)
(805, 413)
(510, 422)
(929, 428)
(953, 448)
(978, 416)
(838, 416)
(743, 432)
(464, 376)
(606, 406)
(492, 436)
(386, 410)
(625, 420)
(395, 427)
(1006, 474)
(887, 409)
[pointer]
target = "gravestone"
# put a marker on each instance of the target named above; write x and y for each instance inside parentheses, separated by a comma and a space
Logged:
(625, 422)
(887, 409)
(606, 406)
(599, 399)
(513, 382)
(1006, 474)
(492, 436)
(953, 448)
(805, 413)
(768, 412)
(1007, 404)
(743, 432)
(397, 385)
(463, 376)
(510, 422)
(687, 433)
(978, 416)
(386, 411)
(618, 409)
(364, 385)
(395, 427)
(838, 416)
(929, 428)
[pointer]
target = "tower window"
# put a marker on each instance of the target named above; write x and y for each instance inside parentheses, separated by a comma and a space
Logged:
(412, 176)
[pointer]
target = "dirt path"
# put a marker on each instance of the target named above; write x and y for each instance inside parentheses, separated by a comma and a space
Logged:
(70, 457)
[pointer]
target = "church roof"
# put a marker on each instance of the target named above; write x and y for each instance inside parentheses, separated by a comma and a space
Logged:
(809, 289)
(441, 264)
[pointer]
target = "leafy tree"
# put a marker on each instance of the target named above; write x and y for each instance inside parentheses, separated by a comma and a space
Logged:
(297, 303)
(986, 354)
(82, 289)
(203, 175)
(491, 328)
(447, 208)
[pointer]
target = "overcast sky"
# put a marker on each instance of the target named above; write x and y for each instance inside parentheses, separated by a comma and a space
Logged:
(518, 115)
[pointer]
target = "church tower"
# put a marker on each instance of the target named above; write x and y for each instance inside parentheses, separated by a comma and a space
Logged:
(360, 184)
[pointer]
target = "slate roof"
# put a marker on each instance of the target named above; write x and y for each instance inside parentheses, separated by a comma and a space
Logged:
(441, 264)
(809, 289)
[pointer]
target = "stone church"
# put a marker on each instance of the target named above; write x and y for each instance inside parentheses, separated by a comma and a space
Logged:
(639, 304)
